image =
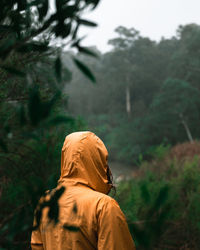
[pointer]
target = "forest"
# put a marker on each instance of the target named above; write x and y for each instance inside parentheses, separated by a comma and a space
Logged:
(142, 98)
(147, 93)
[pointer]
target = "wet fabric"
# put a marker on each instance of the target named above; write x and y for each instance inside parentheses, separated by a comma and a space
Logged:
(84, 204)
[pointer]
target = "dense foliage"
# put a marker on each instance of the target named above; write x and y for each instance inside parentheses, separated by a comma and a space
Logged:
(147, 93)
(162, 202)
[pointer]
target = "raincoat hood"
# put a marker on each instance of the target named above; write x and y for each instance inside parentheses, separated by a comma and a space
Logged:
(84, 162)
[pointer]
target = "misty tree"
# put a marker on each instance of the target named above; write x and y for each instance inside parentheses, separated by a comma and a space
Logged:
(123, 58)
(185, 61)
(178, 103)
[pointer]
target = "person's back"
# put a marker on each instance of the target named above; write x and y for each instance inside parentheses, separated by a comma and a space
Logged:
(84, 204)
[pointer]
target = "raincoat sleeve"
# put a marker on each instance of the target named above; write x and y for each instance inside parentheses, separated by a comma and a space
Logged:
(113, 232)
(36, 239)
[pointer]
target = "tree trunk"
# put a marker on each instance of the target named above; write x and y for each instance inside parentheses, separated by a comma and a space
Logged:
(128, 101)
(187, 130)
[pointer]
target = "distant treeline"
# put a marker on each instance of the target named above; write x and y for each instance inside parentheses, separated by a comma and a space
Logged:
(147, 92)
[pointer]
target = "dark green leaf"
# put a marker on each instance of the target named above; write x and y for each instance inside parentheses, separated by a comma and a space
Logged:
(77, 42)
(33, 46)
(87, 23)
(66, 30)
(58, 4)
(92, 2)
(21, 5)
(87, 51)
(86, 71)
(38, 215)
(53, 205)
(71, 228)
(13, 71)
(43, 9)
(75, 32)
(67, 12)
(63, 30)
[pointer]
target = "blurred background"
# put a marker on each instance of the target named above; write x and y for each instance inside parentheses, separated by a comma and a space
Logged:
(133, 80)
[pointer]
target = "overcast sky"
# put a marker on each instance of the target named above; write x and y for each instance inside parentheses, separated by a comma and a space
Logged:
(153, 18)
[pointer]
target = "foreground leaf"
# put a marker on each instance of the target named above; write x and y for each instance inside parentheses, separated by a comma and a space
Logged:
(85, 70)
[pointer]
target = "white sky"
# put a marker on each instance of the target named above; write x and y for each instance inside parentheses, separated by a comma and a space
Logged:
(153, 18)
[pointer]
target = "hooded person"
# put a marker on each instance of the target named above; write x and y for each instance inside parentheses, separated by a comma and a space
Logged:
(84, 204)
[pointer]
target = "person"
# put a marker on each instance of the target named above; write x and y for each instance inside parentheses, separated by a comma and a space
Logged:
(85, 204)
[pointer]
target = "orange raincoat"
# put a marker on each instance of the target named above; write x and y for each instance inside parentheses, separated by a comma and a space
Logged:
(101, 223)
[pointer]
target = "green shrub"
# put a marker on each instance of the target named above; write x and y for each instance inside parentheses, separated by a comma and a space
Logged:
(163, 207)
